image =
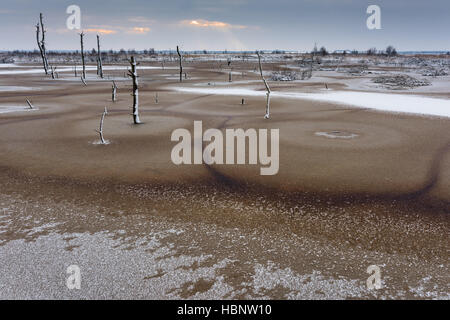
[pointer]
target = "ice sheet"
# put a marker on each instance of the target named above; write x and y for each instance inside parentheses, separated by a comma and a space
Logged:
(404, 103)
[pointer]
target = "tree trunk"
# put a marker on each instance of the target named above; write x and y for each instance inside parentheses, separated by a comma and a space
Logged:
(100, 65)
(82, 55)
(41, 42)
(267, 88)
(114, 91)
(52, 72)
(100, 131)
(133, 74)
(29, 104)
(181, 64)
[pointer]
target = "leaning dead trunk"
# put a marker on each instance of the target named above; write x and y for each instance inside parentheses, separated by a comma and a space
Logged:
(230, 76)
(100, 65)
(267, 88)
(53, 69)
(181, 64)
(114, 92)
(82, 55)
(29, 104)
(133, 74)
(100, 131)
(41, 42)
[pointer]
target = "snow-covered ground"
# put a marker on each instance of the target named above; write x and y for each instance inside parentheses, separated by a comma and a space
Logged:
(403, 103)
(38, 69)
(14, 108)
(17, 88)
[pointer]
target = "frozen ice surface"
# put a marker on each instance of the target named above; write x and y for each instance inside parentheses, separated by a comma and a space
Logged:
(402, 103)
(14, 108)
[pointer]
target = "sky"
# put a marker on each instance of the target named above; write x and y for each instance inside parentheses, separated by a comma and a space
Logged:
(408, 25)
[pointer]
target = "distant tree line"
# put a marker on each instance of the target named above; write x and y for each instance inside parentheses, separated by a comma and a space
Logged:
(390, 52)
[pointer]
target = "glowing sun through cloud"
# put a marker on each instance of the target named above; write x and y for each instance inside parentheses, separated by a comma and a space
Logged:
(139, 30)
(100, 31)
(201, 23)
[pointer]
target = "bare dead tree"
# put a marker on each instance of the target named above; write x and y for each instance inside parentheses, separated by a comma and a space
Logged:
(312, 61)
(338, 64)
(29, 104)
(100, 131)
(114, 91)
(75, 70)
(84, 81)
(82, 55)
(40, 31)
(181, 64)
(53, 73)
(133, 74)
(156, 98)
(230, 77)
(100, 65)
(267, 115)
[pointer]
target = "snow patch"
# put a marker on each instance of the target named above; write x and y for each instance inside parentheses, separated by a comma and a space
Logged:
(336, 135)
(403, 103)
(14, 108)
(17, 88)
(99, 142)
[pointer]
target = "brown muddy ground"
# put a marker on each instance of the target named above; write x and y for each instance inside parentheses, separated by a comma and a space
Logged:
(140, 227)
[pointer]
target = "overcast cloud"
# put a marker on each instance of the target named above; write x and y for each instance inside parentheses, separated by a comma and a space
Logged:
(230, 24)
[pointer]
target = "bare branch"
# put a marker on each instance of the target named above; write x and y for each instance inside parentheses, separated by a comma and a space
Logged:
(180, 57)
(267, 115)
